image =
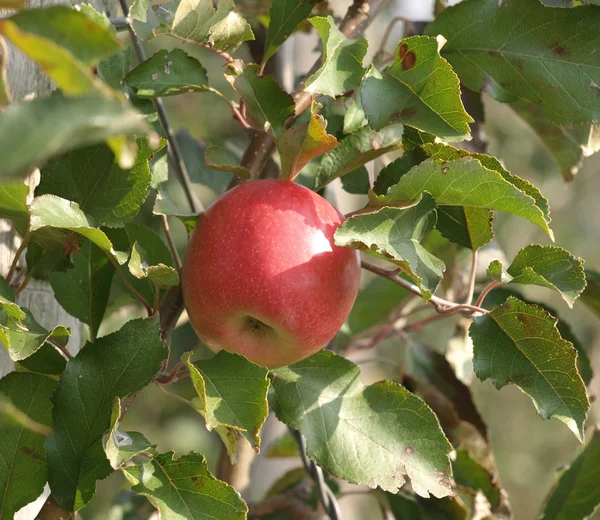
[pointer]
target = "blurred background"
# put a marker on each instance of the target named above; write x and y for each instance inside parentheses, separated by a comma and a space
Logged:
(528, 450)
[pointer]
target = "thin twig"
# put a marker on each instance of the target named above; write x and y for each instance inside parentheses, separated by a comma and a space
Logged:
(235, 110)
(485, 292)
(176, 259)
(442, 306)
(136, 294)
(173, 150)
(15, 261)
(179, 371)
(471, 290)
(60, 348)
(388, 31)
(21, 287)
(227, 57)
(174, 396)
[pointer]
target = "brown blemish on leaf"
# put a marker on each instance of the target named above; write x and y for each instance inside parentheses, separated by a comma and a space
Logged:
(408, 58)
(407, 113)
(559, 49)
(445, 170)
(31, 453)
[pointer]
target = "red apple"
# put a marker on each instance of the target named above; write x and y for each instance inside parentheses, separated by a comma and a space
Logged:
(262, 276)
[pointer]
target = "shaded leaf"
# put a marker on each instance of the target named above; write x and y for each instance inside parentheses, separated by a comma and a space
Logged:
(121, 447)
(518, 343)
(83, 290)
(473, 180)
(391, 174)
(284, 17)
(591, 296)
(222, 27)
(283, 446)
(218, 158)
(161, 275)
(23, 335)
(466, 226)
(394, 234)
(416, 508)
(520, 49)
(232, 397)
(373, 435)
(576, 494)
(34, 131)
(25, 398)
(547, 266)
(109, 194)
(164, 206)
(419, 89)
(148, 20)
(469, 473)
(61, 215)
(357, 149)
(357, 182)
(184, 488)
(45, 360)
(13, 205)
(567, 145)
(168, 73)
(115, 365)
(342, 67)
(268, 106)
(303, 142)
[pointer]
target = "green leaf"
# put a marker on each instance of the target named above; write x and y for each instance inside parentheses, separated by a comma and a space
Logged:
(518, 343)
(357, 149)
(501, 294)
(45, 360)
(161, 275)
(372, 435)
(417, 508)
(373, 304)
(567, 145)
(591, 296)
(83, 290)
(22, 335)
(457, 178)
(342, 67)
(218, 158)
(164, 206)
(354, 118)
(168, 73)
(232, 397)
(268, 106)
(520, 49)
(466, 226)
(121, 447)
(419, 89)
(34, 131)
(284, 17)
(184, 488)
(147, 20)
(547, 266)
(303, 142)
(64, 43)
(394, 234)
(23, 472)
(13, 205)
(115, 365)
(576, 494)
(357, 182)
(470, 474)
(223, 28)
(109, 194)
(391, 174)
(57, 215)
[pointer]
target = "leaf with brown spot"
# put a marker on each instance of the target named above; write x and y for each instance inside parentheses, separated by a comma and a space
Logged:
(419, 89)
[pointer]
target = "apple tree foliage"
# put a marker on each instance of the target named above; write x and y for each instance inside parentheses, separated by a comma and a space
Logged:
(393, 128)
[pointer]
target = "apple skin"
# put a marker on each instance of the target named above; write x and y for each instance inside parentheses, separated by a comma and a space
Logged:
(262, 276)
